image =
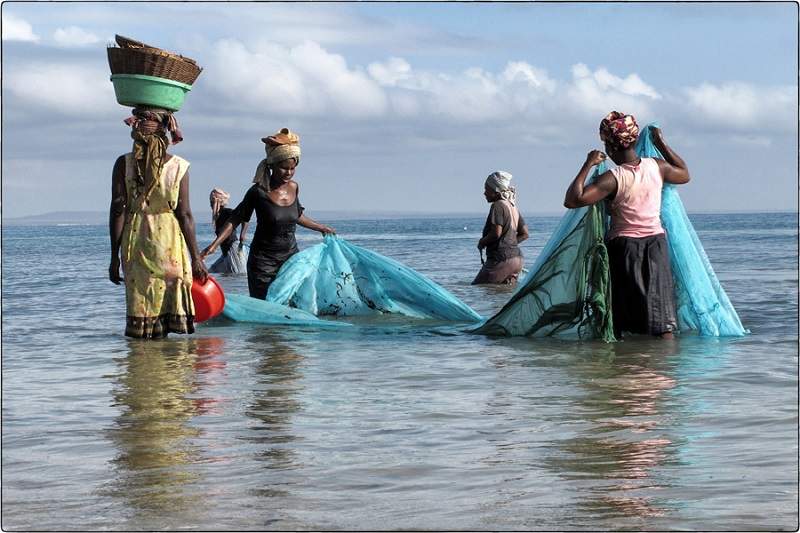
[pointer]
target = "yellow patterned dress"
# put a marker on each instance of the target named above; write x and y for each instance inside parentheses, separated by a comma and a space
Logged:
(155, 262)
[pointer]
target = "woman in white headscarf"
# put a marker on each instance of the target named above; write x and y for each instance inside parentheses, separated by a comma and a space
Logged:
(504, 230)
(234, 258)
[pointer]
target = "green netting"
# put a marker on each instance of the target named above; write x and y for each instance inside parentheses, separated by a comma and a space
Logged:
(568, 290)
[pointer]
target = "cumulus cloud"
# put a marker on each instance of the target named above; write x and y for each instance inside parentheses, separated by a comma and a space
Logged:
(306, 80)
(70, 89)
(303, 80)
(472, 95)
(742, 105)
(17, 29)
(73, 36)
(534, 77)
(391, 72)
(600, 91)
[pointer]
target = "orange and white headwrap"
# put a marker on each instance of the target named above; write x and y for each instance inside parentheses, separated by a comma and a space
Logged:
(619, 130)
(281, 146)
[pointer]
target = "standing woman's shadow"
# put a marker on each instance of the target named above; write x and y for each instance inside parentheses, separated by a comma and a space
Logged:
(627, 387)
(158, 392)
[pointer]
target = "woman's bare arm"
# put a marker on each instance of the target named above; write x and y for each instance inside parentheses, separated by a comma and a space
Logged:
(116, 217)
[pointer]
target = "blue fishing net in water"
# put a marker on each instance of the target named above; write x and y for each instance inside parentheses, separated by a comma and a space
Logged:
(241, 308)
(342, 279)
(701, 301)
(568, 288)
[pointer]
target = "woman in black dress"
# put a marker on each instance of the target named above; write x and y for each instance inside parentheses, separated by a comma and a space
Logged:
(274, 197)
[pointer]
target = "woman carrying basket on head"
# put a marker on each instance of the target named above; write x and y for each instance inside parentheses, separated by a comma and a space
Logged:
(151, 228)
(275, 198)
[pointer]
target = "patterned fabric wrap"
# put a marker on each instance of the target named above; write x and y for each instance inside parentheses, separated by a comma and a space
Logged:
(619, 130)
(500, 182)
(279, 147)
(149, 127)
(158, 275)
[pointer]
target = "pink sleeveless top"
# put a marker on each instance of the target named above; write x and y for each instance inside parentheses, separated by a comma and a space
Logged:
(636, 209)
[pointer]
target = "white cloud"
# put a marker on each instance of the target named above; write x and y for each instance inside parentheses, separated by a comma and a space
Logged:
(473, 95)
(391, 72)
(302, 80)
(17, 29)
(631, 85)
(534, 77)
(71, 89)
(600, 91)
(73, 36)
(742, 105)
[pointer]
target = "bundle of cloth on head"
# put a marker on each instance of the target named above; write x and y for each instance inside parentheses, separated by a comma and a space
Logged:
(218, 200)
(500, 182)
(619, 130)
(279, 147)
(149, 128)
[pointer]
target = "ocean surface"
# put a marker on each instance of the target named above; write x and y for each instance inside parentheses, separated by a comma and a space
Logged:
(397, 425)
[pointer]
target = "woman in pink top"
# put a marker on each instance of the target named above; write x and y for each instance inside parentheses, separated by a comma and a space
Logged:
(642, 290)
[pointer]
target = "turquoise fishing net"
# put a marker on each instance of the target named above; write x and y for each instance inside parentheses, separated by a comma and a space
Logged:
(341, 279)
(701, 302)
(241, 308)
(567, 291)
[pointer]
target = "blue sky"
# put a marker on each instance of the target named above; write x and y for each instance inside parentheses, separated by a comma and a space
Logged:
(407, 107)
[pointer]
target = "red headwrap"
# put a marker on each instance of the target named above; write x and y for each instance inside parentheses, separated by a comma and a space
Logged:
(619, 130)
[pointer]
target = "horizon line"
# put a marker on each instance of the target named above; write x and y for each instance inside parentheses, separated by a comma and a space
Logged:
(399, 213)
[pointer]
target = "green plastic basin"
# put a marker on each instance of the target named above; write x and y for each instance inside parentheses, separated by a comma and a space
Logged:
(138, 89)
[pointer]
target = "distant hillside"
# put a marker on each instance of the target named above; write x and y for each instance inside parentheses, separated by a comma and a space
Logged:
(59, 217)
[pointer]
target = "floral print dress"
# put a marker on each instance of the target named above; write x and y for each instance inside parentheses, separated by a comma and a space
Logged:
(155, 262)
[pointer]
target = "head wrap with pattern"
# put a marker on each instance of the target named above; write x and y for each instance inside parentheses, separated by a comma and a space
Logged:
(619, 130)
(500, 182)
(279, 147)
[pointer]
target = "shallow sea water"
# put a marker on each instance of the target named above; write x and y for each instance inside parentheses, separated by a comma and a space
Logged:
(396, 423)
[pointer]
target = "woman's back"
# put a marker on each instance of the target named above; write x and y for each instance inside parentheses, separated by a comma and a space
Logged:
(507, 216)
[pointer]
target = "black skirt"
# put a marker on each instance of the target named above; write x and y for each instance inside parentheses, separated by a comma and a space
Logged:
(642, 289)
(263, 267)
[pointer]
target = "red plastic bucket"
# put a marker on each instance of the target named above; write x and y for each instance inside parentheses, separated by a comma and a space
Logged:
(209, 299)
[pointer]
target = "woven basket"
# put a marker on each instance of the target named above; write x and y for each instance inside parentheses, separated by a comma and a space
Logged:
(134, 57)
(152, 62)
(127, 42)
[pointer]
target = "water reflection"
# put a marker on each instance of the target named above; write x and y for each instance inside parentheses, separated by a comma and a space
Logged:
(627, 439)
(159, 390)
(277, 384)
